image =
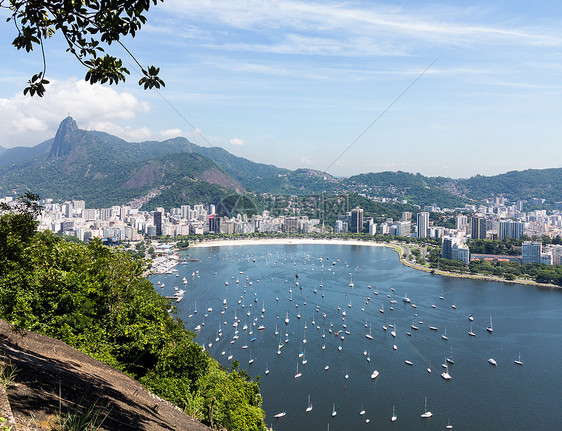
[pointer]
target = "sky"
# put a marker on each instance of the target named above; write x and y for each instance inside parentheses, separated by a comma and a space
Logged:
(446, 88)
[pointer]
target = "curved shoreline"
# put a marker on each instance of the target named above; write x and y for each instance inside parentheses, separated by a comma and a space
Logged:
(398, 248)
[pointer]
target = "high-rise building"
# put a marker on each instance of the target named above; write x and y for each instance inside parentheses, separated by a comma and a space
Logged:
(356, 220)
(158, 222)
(213, 223)
(291, 225)
(461, 221)
(510, 229)
(406, 216)
(422, 224)
(531, 252)
(185, 210)
(447, 247)
(478, 227)
(451, 248)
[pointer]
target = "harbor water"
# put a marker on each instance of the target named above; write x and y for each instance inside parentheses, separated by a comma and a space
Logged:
(333, 297)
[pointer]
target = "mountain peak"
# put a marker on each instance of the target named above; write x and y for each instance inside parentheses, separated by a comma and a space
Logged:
(62, 143)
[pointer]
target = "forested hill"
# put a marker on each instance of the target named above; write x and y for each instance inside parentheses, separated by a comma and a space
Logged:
(97, 300)
(105, 170)
(517, 185)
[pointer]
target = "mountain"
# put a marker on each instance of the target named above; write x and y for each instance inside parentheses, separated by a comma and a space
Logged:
(18, 154)
(517, 185)
(105, 170)
(415, 188)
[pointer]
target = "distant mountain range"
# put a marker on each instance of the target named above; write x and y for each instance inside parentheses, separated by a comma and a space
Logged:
(105, 170)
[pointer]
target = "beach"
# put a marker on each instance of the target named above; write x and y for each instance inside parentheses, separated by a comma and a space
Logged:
(399, 248)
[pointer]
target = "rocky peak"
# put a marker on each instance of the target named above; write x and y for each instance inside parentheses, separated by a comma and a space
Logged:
(62, 143)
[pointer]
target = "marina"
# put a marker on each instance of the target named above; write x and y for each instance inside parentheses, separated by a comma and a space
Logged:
(336, 368)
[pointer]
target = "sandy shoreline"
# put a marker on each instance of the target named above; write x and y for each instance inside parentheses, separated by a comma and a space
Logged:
(398, 248)
(286, 241)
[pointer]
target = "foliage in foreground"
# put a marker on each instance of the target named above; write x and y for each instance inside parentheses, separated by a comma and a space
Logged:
(96, 300)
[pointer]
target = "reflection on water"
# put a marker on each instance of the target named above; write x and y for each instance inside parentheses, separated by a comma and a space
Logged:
(334, 339)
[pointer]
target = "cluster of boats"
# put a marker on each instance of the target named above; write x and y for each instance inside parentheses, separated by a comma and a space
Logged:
(247, 320)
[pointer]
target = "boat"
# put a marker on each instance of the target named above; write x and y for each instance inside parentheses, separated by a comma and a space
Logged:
(470, 317)
(362, 412)
(394, 417)
(309, 405)
(444, 335)
(449, 426)
(493, 362)
(433, 328)
(374, 374)
(351, 282)
(287, 318)
(426, 413)
(280, 415)
(408, 362)
(326, 368)
(334, 412)
(406, 299)
(369, 335)
(490, 328)
(413, 325)
(298, 373)
(449, 359)
(445, 374)
(518, 361)
(472, 334)
(266, 369)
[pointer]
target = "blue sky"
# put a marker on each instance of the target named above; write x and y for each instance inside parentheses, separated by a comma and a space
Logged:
(294, 83)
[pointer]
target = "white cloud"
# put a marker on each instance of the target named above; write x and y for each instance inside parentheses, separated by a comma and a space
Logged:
(127, 133)
(27, 121)
(237, 141)
(340, 24)
(171, 133)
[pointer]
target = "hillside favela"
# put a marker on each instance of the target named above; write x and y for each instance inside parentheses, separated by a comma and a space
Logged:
(309, 216)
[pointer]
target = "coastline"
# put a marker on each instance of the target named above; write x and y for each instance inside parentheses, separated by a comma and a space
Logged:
(398, 248)
(286, 241)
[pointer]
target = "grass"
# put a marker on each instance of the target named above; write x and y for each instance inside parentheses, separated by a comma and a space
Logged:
(7, 373)
(81, 418)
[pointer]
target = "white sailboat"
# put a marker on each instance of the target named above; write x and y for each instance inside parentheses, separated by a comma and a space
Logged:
(374, 374)
(280, 415)
(287, 318)
(426, 413)
(351, 282)
(445, 374)
(309, 405)
(362, 412)
(518, 361)
(369, 335)
(493, 362)
(298, 373)
(471, 333)
(490, 328)
(334, 412)
(444, 335)
(394, 417)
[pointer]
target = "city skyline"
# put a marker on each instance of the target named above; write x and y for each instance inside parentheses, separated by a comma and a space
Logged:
(296, 83)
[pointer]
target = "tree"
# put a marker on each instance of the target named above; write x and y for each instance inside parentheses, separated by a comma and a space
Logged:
(87, 27)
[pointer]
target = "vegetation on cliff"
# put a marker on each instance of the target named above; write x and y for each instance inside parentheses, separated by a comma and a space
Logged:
(97, 300)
